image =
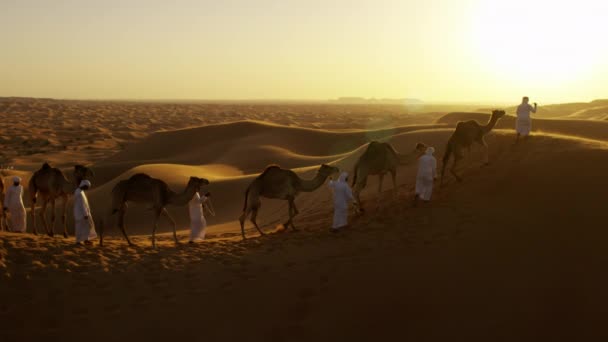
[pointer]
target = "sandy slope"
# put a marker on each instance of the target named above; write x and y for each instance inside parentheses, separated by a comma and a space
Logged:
(515, 252)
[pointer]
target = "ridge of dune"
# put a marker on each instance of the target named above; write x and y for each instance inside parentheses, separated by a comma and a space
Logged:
(589, 129)
(246, 145)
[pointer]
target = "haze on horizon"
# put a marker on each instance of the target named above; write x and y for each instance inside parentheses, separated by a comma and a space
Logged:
(445, 50)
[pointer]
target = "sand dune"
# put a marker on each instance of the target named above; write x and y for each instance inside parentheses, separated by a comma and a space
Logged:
(515, 252)
(594, 110)
(498, 256)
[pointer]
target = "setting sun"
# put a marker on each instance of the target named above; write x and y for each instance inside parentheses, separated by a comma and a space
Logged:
(541, 40)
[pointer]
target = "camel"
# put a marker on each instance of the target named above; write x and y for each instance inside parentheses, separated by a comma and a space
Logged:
(466, 134)
(378, 159)
(50, 183)
(279, 183)
(141, 188)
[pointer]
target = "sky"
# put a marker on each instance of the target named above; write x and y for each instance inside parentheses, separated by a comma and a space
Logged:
(434, 50)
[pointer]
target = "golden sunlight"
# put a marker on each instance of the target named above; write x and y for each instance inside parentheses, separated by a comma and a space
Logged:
(551, 41)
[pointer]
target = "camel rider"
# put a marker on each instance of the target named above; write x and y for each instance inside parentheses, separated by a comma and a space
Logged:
(524, 122)
(198, 224)
(427, 173)
(342, 196)
(13, 203)
(84, 227)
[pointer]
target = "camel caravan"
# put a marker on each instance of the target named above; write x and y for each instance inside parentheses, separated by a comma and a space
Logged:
(49, 184)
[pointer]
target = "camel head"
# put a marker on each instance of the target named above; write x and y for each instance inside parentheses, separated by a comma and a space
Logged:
(498, 113)
(420, 147)
(82, 172)
(197, 183)
(327, 170)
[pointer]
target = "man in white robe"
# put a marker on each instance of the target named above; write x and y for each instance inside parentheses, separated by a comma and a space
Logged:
(198, 224)
(13, 203)
(342, 196)
(523, 124)
(84, 227)
(427, 173)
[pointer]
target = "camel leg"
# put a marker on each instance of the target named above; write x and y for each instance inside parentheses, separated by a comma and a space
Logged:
(291, 213)
(121, 223)
(394, 178)
(242, 219)
(43, 218)
(486, 157)
(254, 215)
(295, 212)
(64, 216)
(457, 162)
(166, 213)
(359, 186)
(379, 198)
(53, 217)
(33, 213)
(157, 215)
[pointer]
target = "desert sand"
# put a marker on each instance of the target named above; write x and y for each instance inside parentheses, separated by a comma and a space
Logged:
(514, 252)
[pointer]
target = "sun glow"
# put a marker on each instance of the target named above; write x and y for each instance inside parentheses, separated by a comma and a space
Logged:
(545, 40)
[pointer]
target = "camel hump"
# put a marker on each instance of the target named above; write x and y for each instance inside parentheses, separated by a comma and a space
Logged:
(139, 176)
(45, 166)
(271, 167)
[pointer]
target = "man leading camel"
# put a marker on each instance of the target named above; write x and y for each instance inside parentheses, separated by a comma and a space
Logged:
(427, 173)
(13, 202)
(342, 196)
(524, 121)
(84, 228)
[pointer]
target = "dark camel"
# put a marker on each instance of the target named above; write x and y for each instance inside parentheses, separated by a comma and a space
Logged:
(279, 183)
(466, 134)
(50, 183)
(141, 188)
(378, 159)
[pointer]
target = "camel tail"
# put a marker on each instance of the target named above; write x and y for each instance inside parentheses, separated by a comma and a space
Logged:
(33, 188)
(119, 195)
(446, 159)
(356, 172)
(392, 149)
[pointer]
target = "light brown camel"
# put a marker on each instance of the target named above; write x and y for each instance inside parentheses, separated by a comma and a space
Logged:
(141, 188)
(466, 134)
(279, 183)
(50, 183)
(378, 159)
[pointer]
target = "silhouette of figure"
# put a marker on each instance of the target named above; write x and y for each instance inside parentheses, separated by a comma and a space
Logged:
(523, 124)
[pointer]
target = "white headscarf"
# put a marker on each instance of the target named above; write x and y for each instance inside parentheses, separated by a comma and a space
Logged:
(85, 182)
(16, 179)
(343, 177)
(430, 150)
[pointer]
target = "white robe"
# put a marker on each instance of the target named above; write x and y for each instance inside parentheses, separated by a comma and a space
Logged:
(523, 125)
(13, 200)
(198, 224)
(427, 171)
(84, 229)
(342, 196)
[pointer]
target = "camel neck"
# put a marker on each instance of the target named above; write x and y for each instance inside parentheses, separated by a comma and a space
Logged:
(487, 128)
(312, 184)
(67, 186)
(180, 199)
(408, 158)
